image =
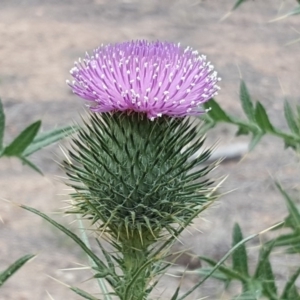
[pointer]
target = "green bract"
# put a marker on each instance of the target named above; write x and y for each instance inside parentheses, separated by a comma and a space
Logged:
(135, 175)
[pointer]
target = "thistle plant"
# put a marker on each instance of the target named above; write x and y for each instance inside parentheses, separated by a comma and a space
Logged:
(130, 165)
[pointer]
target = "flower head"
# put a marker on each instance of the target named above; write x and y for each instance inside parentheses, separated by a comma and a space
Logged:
(155, 78)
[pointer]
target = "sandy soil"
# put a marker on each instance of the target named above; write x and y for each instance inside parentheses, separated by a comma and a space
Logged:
(39, 42)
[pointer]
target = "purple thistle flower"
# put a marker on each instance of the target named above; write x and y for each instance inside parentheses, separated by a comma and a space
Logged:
(155, 78)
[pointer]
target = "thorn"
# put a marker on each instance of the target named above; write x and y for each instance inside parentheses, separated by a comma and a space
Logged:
(68, 286)
(225, 16)
(49, 295)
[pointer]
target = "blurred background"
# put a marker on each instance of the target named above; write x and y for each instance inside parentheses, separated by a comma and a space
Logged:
(40, 40)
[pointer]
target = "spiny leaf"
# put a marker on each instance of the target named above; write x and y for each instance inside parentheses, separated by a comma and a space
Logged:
(238, 3)
(246, 102)
(243, 130)
(30, 164)
(293, 294)
(294, 214)
(2, 126)
(263, 262)
(255, 139)
(291, 239)
(249, 295)
(216, 112)
(230, 273)
(23, 140)
(290, 285)
(268, 280)
(44, 139)
(175, 295)
(290, 118)
(239, 257)
(217, 274)
(83, 293)
(14, 267)
(109, 260)
(262, 118)
(225, 257)
(69, 233)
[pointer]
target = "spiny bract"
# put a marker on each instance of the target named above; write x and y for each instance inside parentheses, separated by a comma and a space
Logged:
(134, 174)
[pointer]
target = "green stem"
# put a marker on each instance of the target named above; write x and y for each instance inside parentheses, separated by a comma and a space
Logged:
(137, 268)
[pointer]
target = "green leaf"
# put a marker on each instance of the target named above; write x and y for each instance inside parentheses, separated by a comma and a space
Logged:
(264, 272)
(243, 130)
(238, 3)
(216, 267)
(246, 102)
(255, 139)
(290, 143)
(217, 274)
(269, 286)
(293, 294)
(298, 115)
(44, 139)
(239, 257)
(230, 273)
(262, 118)
(23, 140)
(290, 285)
(73, 236)
(290, 118)
(294, 214)
(30, 164)
(291, 239)
(249, 295)
(14, 267)
(175, 295)
(263, 257)
(2, 125)
(83, 293)
(295, 11)
(216, 112)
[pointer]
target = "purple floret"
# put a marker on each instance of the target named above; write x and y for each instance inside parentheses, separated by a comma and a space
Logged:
(155, 78)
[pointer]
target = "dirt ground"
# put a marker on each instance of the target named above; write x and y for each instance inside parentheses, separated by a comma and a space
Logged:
(39, 42)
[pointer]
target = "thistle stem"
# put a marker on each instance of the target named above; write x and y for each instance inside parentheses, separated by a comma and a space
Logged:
(137, 268)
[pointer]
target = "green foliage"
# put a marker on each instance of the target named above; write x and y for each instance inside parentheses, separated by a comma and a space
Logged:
(292, 221)
(260, 285)
(6, 274)
(99, 267)
(23, 140)
(293, 123)
(127, 269)
(246, 102)
(222, 271)
(238, 3)
(239, 257)
(258, 123)
(29, 141)
(83, 294)
(295, 11)
(134, 175)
